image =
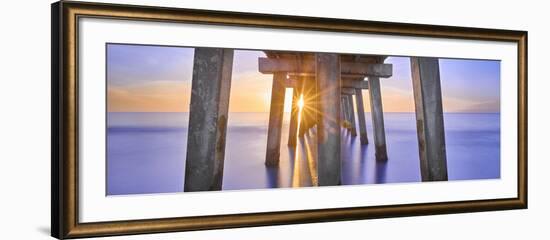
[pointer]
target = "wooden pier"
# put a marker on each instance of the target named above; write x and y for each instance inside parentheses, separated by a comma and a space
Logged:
(326, 85)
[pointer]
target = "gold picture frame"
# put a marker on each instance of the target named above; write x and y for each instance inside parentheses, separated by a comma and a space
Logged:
(65, 114)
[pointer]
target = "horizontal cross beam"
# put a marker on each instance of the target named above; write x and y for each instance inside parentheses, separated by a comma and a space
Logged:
(346, 83)
(271, 65)
(348, 91)
(355, 83)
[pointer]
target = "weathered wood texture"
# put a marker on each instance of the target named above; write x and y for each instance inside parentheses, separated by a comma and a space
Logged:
(429, 118)
(361, 116)
(377, 114)
(211, 82)
(276, 110)
(348, 69)
(328, 138)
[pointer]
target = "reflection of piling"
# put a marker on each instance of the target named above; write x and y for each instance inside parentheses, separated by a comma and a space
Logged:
(429, 118)
(208, 119)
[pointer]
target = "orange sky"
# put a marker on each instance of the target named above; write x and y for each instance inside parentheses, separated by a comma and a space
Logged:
(158, 79)
(251, 93)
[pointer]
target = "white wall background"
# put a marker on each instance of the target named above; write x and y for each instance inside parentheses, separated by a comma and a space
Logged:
(25, 119)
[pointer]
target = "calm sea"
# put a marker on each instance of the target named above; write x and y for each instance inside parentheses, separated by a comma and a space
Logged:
(146, 152)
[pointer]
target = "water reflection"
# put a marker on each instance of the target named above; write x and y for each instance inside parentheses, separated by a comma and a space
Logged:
(149, 156)
(380, 171)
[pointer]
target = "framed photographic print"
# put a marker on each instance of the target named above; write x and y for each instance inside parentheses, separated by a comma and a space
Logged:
(169, 119)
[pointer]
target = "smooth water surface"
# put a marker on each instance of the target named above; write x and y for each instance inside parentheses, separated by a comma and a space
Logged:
(146, 152)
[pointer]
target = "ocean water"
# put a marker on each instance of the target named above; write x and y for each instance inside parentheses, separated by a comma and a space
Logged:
(146, 152)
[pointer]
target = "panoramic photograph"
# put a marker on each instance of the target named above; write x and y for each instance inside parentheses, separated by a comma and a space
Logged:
(186, 119)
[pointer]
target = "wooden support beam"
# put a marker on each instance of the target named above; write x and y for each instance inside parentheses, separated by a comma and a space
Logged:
(328, 134)
(429, 118)
(361, 116)
(351, 113)
(293, 124)
(377, 114)
(271, 65)
(275, 120)
(211, 82)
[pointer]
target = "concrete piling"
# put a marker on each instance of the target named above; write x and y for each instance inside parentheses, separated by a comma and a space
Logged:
(293, 124)
(361, 117)
(429, 118)
(328, 135)
(351, 112)
(377, 114)
(211, 82)
(275, 119)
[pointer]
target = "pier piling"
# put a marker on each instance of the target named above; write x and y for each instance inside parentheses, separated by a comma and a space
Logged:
(429, 118)
(351, 112)
(328, 133)
(293, 124)
(344, 110)
(275, 119)
(377, 114)
(361, 117)
(211, 82)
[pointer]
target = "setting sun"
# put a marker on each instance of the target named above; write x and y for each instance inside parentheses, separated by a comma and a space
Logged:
(301, 102)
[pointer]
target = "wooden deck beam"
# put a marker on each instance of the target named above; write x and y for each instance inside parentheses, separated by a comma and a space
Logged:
(348, 91)
(355, 83)
(271, 65)
(294, 82)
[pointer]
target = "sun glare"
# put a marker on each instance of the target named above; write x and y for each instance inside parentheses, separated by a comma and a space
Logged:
(301, 102)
